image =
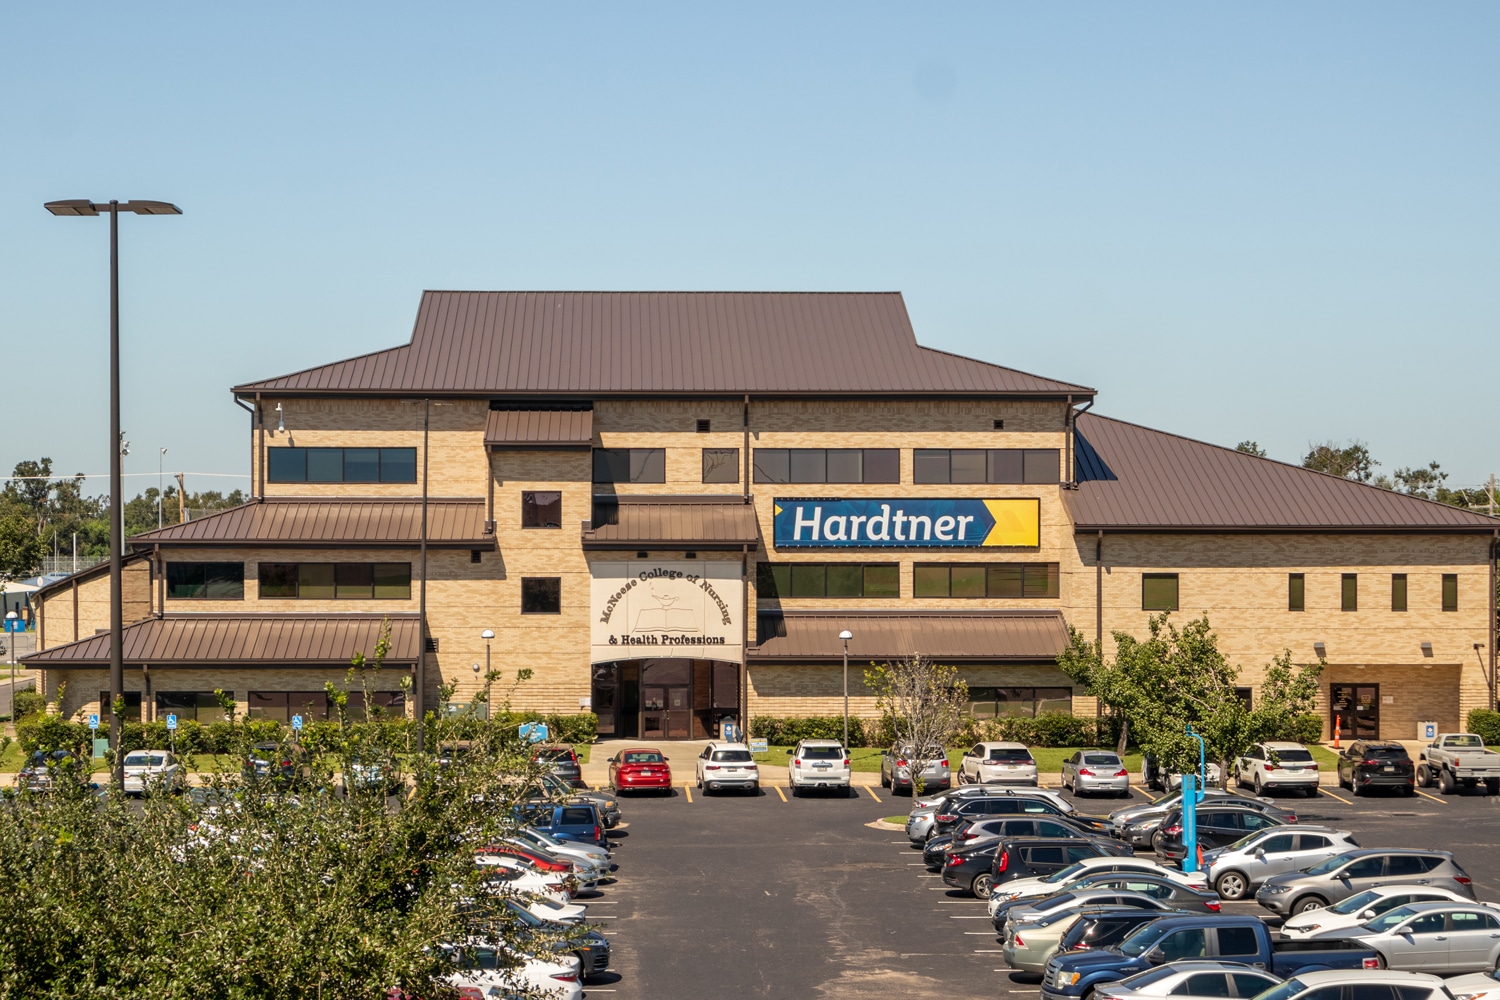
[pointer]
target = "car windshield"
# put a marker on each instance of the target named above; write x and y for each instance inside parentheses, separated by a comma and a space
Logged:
(823, 753)
(1389, 919)
(1297, 756)
(1052, 902)
(524, 915)
(732, 756)
(1017, 756)
(1354, 903)
(1464, 741)
(1142, 940)
(1062, 875)
(1282, 991)
(1170, 799)
(1332, 864)
(1101, 760)
(643, 757)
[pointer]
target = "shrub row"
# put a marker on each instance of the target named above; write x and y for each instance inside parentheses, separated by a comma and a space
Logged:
(785, 732)
(1051, 729)
(1486, 724)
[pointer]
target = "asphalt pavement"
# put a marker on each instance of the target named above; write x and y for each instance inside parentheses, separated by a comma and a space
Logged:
(775, 895)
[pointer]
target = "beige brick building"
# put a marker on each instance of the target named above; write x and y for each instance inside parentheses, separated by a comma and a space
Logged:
(668, 506)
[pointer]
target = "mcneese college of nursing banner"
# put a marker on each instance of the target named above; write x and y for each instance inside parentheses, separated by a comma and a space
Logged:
(907, 523)
(645, 608)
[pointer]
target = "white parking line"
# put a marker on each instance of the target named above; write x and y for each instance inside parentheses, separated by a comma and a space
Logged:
(979, 933)
(967, 917)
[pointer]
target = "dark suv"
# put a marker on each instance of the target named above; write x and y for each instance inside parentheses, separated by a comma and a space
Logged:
(1218, 825)
(981, 808)
(1367, 764)
(976, 830)
(1033, 857)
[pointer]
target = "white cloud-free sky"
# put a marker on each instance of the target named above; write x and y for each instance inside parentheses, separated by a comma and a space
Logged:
(1273, 221)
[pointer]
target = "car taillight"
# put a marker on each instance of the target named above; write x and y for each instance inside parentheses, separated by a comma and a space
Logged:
(598, 834)
(1291, 817)
(900, 762)
(1004, 861)
(1085, 772)
(846, 761)
(954, 859)
(1173, 830)
(1463, 880)
(1122, 773)
(1315, 765)
(944, 818)
(1370, 763)
(752, 767)
(1370, 963)
(944, 762)
(710, 767)
(1018, 941)
(796, 762)
(566, 977)
(1211, 905)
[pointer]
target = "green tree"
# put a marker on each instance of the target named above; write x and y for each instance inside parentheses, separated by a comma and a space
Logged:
(1351, 461)
(21, 550)
(1251, 448)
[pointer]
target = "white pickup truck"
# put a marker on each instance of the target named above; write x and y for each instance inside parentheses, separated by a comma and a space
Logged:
(1455, 759)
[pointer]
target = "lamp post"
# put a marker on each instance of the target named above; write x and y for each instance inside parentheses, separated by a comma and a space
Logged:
(487, 635)
(846, 635)
(10, 640)
(159, 457)
(116, 521)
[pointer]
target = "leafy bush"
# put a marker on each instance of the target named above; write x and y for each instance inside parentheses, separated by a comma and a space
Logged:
(1050, 729)
(51, 732)
(785, 732)
(1305, 728)
(29, 703)
(1486, 724)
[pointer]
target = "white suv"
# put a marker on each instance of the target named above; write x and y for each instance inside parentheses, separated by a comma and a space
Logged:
(1278, 765)
(998, 763)
(818, 764)
(728, 765)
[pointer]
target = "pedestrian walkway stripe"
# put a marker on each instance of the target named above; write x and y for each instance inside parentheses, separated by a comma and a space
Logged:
(780, 792)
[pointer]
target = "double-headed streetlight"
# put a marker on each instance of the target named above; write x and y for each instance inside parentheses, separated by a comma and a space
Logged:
(116, 521)
(846, 635)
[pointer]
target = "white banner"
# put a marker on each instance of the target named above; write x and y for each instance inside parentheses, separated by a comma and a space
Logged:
(646, 608)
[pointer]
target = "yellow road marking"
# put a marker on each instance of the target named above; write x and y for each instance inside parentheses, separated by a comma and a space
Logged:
(1432, 797)
(780, 792)
(1324, 791)
(689, 789)
(872, 794)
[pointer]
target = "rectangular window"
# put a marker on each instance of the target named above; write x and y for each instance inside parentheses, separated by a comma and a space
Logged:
(1296, 592)
(721, 465)
(1398, 591)
(315, 581)
(777, 580)
(393, 581)
(132, 706)
(986, 465)
(630, 465)
(201, 706)
(1450, 591)
(541, 595)
(826, 465)
(353, 581)
(278, 580)
(341, 465)
(1158, 591)
(330, 581)
(1350, 591)
(541, 509)
(209, 581)
(992, 580)
(1024, 702)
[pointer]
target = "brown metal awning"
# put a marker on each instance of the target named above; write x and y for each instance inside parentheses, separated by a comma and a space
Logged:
(320, 522)
(643, 522)
(242, 640)
(539, 429)
(946, 636)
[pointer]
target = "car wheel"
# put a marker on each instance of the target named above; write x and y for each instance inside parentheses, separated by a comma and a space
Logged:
(1492, 785)
(1258, 784)
(1308, 903)
(1233, 885)
(1446, 784)
(884, 781)
(755, 789)
(1156, 841)
(1424, 776)
(983, 883)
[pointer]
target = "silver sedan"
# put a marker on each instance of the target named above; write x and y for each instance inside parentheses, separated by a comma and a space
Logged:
(1433, 937)
(1090, 772)
(1189, 980)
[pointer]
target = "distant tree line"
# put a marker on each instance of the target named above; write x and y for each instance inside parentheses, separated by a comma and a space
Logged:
(1353, 461)
(40, 514)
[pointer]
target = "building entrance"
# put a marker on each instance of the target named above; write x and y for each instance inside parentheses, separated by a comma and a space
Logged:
(665, 713)
(1355, 710)
(665, 699)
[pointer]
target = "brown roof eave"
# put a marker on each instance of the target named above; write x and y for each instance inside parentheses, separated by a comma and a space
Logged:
(280, 663)
(673, 544)
(249, 392)
(487, 543)
(1282, 529)
(752, 653)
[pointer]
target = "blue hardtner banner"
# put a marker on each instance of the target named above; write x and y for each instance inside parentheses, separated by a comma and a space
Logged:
(907, 523)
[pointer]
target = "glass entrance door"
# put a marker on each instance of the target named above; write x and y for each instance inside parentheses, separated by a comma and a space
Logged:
(653, 713)
(679, 713)
(666, 712)
(1355, 710)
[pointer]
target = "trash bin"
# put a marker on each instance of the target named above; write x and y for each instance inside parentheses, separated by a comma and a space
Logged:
(1427, 731)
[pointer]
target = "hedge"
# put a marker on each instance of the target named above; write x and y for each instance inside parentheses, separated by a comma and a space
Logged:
(1051, 729)
(1486, 724)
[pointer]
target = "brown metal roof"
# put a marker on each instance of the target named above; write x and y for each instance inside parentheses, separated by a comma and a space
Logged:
(667, 522)
(629, 343)
(250, 640)
(1134, 478)
(302, 521)
(804, 636)
(539, 429)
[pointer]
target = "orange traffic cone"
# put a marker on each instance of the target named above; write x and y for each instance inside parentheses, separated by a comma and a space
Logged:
(1338, 723)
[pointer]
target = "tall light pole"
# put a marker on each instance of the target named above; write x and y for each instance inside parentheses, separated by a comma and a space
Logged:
(161, 455)
(116, 520)
(487, 635)
(10, 627)
(846, 635)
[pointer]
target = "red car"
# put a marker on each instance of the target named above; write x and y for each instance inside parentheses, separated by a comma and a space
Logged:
(640, 768)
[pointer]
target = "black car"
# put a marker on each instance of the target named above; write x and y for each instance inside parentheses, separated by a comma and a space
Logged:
(591, 947)
(969, 868)
(1367, 764)
(983, 808)
(47, 769)
(1217, 826)
(1105, 927)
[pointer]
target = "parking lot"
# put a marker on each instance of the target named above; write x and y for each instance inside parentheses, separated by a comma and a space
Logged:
(775, 895)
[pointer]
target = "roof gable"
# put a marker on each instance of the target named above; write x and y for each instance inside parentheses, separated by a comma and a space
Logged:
(1135, 478)
(623, 343)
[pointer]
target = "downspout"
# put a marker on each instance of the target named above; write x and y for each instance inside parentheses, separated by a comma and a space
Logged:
(254, 415)
(1073, 416)
(161, 582)
(489, 462)
(1099, 593)
(421, 684)
(746, 421)
(745, 641)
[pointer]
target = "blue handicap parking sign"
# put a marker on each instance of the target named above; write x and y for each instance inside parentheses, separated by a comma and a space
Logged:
(534, 732)
(171, 722)
(94, 721)
(297, 722)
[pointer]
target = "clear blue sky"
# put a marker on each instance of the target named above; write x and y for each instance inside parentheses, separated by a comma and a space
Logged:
(1269, 221)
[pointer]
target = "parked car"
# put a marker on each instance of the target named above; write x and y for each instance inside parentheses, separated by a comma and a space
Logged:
(1218, 826)
(997, 763)
(578, 821)
(1366, 764)
(590, 947)
(1055, 827)
(1134, 889)
(591, 853)
(977, 807)
(487, 968)
(153, 770)
(895, 771)
(1431, 937)
(44, 769)
(1237, 869)
(819, 764)
(1455, 760)
(510, 877)
(929, 800)
(640, 769)
(1096, 772)
(1139, 825)
(728, 765)
(1352, 872)
(1245, 940)
(1362, 906)
(977, 868)
(371, 775)
(920, 822)
(278, 763)
(1063, 878)
(1477, 986)
(1155, 776)
(1334, 984)
(1104, 927)
(1195, 979)
(608, 802)
(1028, 948)
(563, 760)
(1278, 766)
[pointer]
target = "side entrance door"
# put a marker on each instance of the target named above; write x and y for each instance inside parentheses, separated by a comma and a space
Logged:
(1356, 710)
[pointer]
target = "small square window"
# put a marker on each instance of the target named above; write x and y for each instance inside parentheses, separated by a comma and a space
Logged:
(844, 465)
(1450, 591)
(1158, 591)
(929, 465)
(541, 595)
(966, 465)
(1398, 591)
(1005, 465)
(540, 509)
(772, 465)
(1296, 592)
(1350, 591)
(930, 580)
(1040, 465)
(809, 465)
(721, 465)
(881, 465)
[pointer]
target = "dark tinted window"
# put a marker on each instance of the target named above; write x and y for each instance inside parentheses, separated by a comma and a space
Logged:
(1350, 591)
(1369, 991)
(1282, 843)
(732, 756)
(994, 580)
(541, 509)
(992, 465)
(1405, 864)
(1450, 591)
(826, 465)
(213, 581)
(1386, 753)
(630, 465)
(1364, 868)
(577, 816)
(1204, 984)
(1158, 591)
(541, 595)
(1294, 756)
(1044, 856)
(1078, 852)
(1398, 591)
(822, 753)
(1247, 985)
(1296, 592)
(1417, 993)
(1238, 941)
(1184, 944)
(1427, 923)
(341, 465)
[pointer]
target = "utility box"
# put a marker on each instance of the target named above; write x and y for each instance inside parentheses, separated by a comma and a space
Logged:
(1427, 731)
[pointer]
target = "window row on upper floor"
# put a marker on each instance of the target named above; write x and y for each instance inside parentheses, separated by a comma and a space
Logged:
(840, 465)
(997, 580)
(1159, 591)
(225, 581)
